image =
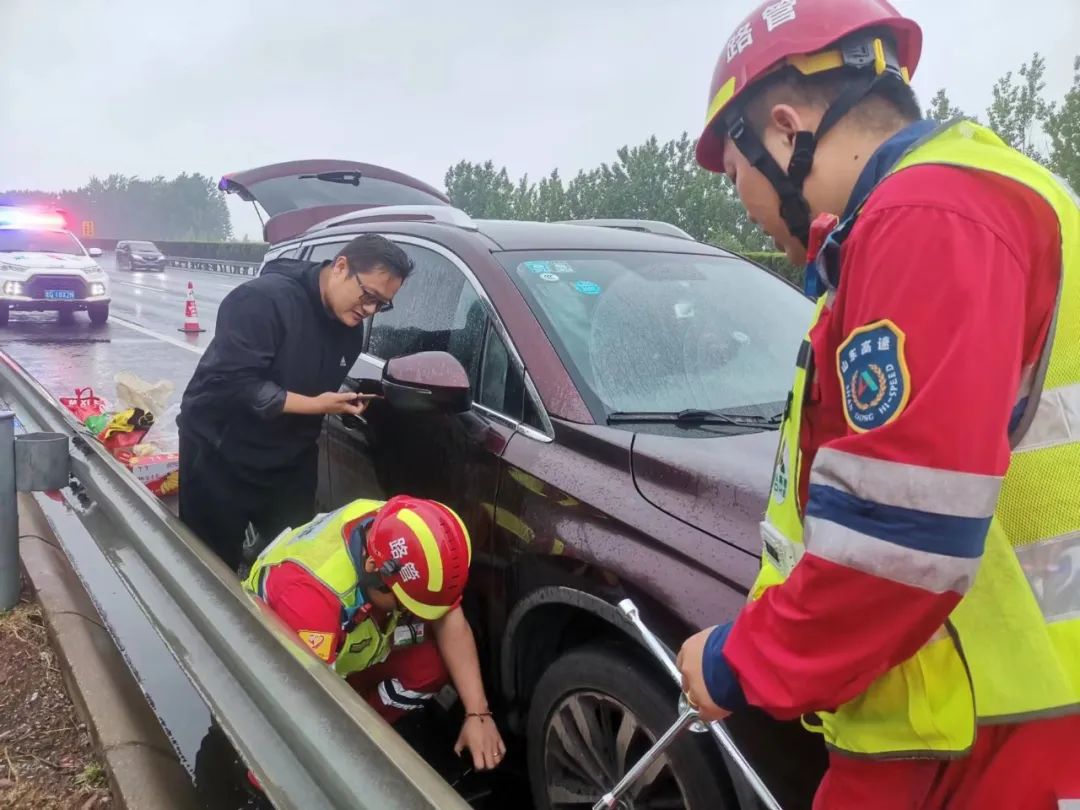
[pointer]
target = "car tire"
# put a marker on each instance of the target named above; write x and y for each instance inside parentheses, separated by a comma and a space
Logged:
(99, 313)
(620, 698)
(4, 314)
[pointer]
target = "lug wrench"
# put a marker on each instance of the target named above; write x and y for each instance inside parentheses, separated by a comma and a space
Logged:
(688, 717)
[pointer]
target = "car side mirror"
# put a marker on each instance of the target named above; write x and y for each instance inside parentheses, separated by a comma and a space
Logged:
(431, 382)
(94, 252)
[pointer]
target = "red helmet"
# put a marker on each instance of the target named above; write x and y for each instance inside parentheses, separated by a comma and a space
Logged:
(798, 33)
(422, 551)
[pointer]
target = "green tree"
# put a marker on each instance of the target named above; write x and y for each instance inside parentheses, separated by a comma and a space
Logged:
(1018, 108)
(654, 180)
(1063, 128)
(481, 190)
(188, 207)
(551, 199)
(942, 109)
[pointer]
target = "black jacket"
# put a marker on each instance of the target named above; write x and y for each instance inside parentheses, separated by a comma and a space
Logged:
(273, 336)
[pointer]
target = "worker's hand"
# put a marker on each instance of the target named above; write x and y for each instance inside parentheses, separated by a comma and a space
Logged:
(343, 402)
(689, 662)
(482, 738)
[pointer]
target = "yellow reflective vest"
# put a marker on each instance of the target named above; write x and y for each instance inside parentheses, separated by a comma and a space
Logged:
(1010, 650)
(320, 548)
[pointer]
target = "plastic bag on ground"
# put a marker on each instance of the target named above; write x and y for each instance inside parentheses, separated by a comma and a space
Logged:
(134, 392)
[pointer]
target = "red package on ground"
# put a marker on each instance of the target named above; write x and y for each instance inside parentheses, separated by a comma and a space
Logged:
(84, 404)
(160, 473)
(122, 441)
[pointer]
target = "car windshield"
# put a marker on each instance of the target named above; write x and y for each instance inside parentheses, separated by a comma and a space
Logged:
(18, 240)
(666, 333)
(148, 247)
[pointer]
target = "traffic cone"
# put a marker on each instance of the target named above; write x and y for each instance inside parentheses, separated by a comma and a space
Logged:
(191, 313)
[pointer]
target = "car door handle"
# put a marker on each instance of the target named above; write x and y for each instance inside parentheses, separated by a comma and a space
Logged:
(353, 423)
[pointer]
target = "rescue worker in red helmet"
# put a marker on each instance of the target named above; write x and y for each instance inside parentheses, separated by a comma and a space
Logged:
(926, 490)
(361, 585)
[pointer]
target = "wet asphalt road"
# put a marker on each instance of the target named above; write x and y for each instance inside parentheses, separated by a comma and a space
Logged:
(142, 336)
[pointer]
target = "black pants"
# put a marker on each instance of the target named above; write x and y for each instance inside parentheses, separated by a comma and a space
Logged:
(217, 503)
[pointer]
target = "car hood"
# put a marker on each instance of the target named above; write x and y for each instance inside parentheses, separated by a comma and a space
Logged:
(719, 485)
(34, 260)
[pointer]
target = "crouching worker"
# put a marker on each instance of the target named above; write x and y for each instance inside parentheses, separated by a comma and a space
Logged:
(362, 585)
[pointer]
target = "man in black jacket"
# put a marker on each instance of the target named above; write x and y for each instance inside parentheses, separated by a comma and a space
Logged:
(251, 415)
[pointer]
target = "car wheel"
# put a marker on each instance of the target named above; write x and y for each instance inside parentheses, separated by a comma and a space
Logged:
(4, 314)
(594, 713)
(99, 313)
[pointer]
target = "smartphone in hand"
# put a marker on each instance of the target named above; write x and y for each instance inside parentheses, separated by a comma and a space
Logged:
(365, 388)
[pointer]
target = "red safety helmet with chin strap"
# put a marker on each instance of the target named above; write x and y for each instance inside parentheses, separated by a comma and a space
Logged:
(866, 38)
(422, 551)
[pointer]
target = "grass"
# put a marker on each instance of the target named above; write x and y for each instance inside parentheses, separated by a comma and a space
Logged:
(92, 776)
(24, 622)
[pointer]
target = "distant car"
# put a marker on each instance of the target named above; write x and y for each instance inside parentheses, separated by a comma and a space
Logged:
(626, 385)
(134, 256)
(44, 267)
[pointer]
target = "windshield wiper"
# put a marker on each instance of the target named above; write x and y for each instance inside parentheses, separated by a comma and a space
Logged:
(345, 178)
(696, 416)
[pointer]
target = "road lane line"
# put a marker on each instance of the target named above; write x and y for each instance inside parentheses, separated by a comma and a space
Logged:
(156, 335)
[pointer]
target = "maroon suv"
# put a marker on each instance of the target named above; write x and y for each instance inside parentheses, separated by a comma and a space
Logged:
(627, 383)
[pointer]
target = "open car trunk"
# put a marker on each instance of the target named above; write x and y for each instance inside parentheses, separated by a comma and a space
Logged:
(302, 193)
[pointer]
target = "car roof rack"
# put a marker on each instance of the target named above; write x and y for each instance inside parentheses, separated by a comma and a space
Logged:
(643, 225)
(446, 214)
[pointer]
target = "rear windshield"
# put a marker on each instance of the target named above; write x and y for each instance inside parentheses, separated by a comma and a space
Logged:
(665, 332)
(297, 192)
(16, 240)
(149, 247)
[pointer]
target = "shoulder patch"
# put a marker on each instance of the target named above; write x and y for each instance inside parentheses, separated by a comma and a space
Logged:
(874, 374)
(321, 643)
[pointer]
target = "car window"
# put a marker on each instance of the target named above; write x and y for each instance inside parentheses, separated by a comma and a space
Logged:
(321, 253)
(291, 253)
(436, 309)
(665, 332)
(501, 384)
(532, 414)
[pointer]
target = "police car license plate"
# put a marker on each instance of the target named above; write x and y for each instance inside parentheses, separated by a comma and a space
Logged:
(59, 295)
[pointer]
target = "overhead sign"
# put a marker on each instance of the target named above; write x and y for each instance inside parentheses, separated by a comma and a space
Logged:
(88, 227)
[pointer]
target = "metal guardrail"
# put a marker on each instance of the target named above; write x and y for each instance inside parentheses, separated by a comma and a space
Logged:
(227, 266)
(310, 740)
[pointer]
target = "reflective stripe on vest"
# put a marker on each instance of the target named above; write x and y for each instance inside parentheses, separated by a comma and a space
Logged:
(320, 548)
(1011, 648)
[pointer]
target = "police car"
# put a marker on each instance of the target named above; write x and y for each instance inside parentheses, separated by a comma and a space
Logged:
(44, 268)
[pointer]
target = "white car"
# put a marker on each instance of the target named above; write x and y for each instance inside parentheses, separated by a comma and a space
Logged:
(46, 269)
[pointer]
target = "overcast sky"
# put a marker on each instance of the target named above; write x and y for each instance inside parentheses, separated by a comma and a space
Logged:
(149, 87)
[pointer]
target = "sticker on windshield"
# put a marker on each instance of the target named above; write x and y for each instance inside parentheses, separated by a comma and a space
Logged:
(587, 287)
(549, 277)
(561, 267)
(536, 267)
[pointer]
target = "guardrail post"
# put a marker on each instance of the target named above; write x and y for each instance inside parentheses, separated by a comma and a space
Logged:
(9, 516)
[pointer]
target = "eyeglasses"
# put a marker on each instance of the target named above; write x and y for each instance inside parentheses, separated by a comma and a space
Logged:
(369, 299)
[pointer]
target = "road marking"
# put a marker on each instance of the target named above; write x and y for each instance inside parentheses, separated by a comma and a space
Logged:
(157, 335)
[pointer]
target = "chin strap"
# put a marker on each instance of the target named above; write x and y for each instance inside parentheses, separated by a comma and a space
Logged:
(872, 62)
(365, 580)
